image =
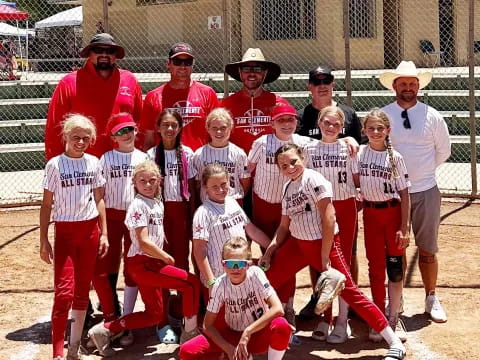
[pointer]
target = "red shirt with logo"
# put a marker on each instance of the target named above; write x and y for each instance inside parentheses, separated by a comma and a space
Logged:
(87, 93)
(193, 104)
(251, 123)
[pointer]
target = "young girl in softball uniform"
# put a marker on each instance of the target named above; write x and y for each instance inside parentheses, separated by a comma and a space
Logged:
(174, 161)
(218, 219)
(150, 266)
(331, 158)
(73, 181)
(268, 180)
(309, 216)
(253, 313)
(117, 167)
(386, 214)
(220, 150)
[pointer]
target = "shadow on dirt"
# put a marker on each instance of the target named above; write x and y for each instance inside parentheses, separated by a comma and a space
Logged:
(38, 333)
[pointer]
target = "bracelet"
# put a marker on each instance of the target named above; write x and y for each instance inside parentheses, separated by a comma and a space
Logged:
(211, 282)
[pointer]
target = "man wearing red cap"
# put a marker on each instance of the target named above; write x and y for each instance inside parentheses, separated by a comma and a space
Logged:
(98, 90)
(191, 99)
(252, 105)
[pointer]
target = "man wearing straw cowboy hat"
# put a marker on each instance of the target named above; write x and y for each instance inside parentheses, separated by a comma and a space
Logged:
(251, 106)
(420, 134)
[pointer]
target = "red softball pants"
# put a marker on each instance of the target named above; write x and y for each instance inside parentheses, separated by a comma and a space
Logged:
(151, 276)
(75, 252)
(295, 254)
(276, 335)
(380, 228)
(178, 232)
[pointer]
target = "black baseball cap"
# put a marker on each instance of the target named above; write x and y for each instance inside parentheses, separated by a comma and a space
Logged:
(320, 70)
(179, 49)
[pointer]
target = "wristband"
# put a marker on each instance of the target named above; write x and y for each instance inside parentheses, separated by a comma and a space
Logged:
(211, 282)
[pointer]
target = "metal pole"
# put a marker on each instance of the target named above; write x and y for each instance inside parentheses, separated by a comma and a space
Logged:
(348, 70)
(471, 94)
(226, 57)
(105, 16)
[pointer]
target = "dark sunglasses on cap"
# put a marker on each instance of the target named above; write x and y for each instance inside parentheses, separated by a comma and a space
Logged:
(406, 122)
(124, 131)
(254, 68)
(235, 264)
(321, 81)
(104, 50)
(179, 62)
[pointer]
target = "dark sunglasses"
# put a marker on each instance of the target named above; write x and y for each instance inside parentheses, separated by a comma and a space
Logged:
(322, 81)
(180, 62)
(104, 50)
(235, 264)
(124, 131)
(256, 68)
(406, 122)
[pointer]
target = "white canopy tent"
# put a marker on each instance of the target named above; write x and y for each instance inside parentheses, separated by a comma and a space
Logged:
(70, 17)
(9, 30)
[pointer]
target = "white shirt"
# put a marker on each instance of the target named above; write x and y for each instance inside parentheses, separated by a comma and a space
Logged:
(334, 162)
(232, 157)
(72, 180)
(268, 181)
(145, 212)
(216, 224)
(244, 302)
(117, 169)
(299, 203)
(425, 146)
(171, 183)
(377, 182)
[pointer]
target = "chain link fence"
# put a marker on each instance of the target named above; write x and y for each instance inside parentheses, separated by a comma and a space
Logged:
(358, 38)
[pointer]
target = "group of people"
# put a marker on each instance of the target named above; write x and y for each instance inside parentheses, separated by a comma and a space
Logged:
(181, 174)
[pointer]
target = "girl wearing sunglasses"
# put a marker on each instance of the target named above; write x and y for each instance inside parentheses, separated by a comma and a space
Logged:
(253, 313)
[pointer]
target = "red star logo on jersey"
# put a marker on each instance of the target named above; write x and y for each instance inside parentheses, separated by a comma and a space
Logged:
(137, 216)
(198, 228)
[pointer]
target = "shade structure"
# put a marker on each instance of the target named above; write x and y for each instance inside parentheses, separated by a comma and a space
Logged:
(9, 30)
(70, 17)
(10, 13)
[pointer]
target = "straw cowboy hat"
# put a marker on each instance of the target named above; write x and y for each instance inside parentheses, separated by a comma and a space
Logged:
(405, 69)
(254, 54)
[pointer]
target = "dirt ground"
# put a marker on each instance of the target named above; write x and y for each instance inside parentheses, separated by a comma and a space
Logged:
(26, 291)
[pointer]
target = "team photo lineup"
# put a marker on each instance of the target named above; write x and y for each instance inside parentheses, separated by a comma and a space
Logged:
(177, 186)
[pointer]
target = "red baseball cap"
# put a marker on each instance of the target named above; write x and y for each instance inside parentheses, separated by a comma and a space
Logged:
(281, 110)
(119, 121)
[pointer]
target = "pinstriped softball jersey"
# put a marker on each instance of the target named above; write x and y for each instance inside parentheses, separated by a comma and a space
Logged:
(216, 224)
(299, 204)
(72, 181)
(117, 168)
(145, 212)
(245, 302)
(376, 179)
(268, 180)
(171, 184)
(334, 162)
(232, 157)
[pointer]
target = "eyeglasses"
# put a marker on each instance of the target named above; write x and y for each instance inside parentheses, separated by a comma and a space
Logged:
(321, 81)
(256, 68)
(124, 131)
(406, 122)
(104, 50)
(235, 264)
(179, 62)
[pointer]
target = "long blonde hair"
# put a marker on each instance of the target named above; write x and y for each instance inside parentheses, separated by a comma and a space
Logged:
(78, 121)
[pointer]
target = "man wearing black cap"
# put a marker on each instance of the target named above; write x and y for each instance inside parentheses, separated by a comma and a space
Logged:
(191, 99)
(251, 106)
(98, 90)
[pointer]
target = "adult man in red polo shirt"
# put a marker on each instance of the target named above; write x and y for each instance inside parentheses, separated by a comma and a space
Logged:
(98, 90)
(191, 99)
(251, 106)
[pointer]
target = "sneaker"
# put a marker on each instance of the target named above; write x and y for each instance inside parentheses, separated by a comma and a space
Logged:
(433, 307)
(396, 352)
(340, 334)
(330, 283)
(308, 311)
(289, 315)
(127, 339)
(185, 336)
(374, 336)
(398, 327)
(101, 338)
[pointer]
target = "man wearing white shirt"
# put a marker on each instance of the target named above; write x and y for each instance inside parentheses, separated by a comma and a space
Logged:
(420, 134)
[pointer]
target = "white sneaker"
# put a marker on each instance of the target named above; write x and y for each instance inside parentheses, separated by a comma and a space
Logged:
(433, 307)
(330, 283)
(374, 336)
(101, 337)
(398, 327)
